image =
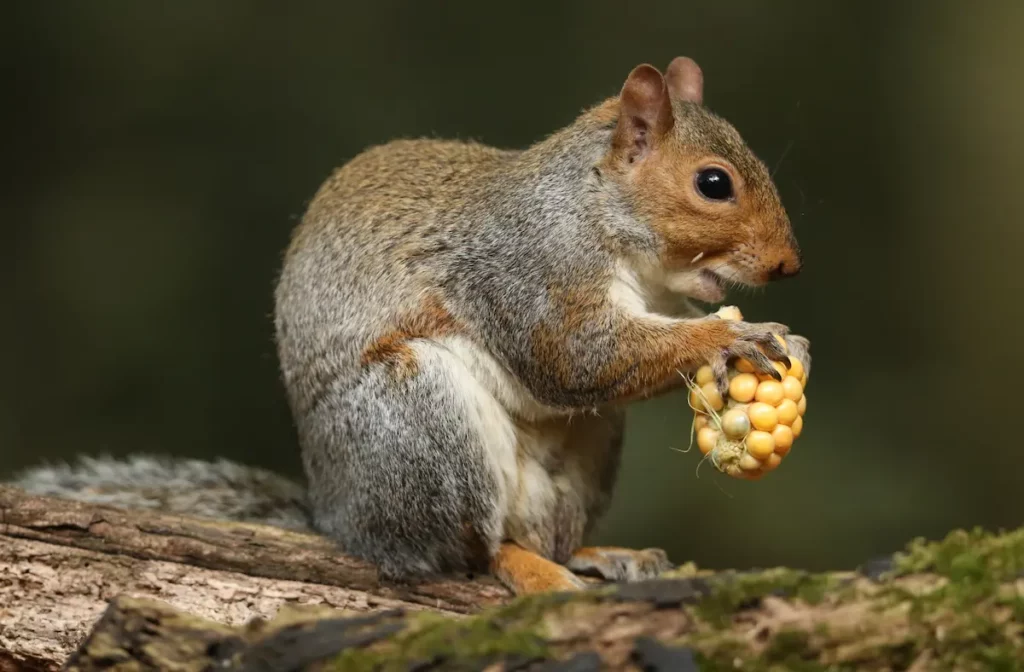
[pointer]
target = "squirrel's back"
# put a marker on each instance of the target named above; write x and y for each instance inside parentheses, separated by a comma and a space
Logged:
(370, 253)
(410, 238)
(390, 202)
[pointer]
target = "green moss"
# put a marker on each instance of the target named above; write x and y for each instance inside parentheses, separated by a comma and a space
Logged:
(731, 593)
(967, 556)
(788, 646)
(723, 662)
(812, 588)
(956, 620)
(515, 629)
(1016, 606)
(976, 564)
(787, 651)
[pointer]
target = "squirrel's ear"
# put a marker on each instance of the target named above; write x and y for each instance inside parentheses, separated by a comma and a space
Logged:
(645, 111)
(685, 80)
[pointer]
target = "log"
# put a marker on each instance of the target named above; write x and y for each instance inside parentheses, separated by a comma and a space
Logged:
(61, 561)
(137, 590)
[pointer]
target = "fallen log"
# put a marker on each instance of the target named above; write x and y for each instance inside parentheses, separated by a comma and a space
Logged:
(188, 601)
(61, 561)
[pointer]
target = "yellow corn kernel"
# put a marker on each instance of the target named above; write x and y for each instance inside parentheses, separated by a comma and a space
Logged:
(797, 368)
(744, 366)
(749, 463)
(798, 426)
(792, 388)
(763, 416)
(788, 412)
(707, 438)
(729, 313)
(700, 422)
(782, 342)
(773, 462)
(783, 437)
(770, 392)
(704, 375)
(801, 406)
(760, 444)
(710, 393)
(743, 387)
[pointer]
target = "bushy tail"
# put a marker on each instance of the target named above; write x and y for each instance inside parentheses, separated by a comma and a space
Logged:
(222, 489)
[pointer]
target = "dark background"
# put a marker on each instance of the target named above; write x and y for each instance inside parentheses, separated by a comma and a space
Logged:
(158, 154)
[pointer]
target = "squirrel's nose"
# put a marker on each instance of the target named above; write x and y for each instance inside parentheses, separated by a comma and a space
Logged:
(787, 268)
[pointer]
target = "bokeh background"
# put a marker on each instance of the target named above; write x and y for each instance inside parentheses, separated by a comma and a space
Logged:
(158, 154)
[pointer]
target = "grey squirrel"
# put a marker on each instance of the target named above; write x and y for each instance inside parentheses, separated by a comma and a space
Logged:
(460, 327)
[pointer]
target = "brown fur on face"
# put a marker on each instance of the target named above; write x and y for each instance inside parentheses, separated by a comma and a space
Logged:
(656, 166)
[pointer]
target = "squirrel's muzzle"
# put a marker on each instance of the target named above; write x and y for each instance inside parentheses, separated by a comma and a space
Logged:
(786, 269)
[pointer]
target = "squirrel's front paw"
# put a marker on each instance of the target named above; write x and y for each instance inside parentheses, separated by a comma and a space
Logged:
(758, 343)
(612, 563)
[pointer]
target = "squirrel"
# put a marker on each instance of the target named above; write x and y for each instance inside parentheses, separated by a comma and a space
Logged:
(460, 329)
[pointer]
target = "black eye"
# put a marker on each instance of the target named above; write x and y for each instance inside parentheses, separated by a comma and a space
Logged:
(714, 184)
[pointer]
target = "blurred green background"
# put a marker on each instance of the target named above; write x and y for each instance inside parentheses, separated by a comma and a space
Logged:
(158, 155)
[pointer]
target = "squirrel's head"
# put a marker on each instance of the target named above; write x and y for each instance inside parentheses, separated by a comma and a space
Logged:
(689, 175)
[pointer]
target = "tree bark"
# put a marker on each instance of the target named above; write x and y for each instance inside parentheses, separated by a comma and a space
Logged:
(143, 590)
(61, 561)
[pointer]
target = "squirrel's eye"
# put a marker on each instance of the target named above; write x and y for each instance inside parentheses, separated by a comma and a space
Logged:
(714, 184)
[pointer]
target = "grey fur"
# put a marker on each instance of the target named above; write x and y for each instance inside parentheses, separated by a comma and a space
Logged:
(218, 489)
(397, 478)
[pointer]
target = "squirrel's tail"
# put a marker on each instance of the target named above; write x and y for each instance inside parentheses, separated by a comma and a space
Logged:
(221, 489)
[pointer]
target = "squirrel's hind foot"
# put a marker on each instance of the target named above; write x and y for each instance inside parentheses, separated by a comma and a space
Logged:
(525, 572)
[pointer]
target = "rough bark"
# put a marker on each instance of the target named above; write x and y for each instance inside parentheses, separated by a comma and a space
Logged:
(136, 600)
(61, 561)
(52, 595)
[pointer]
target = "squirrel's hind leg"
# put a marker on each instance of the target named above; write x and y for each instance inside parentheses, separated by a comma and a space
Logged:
(593, 448)
(400, 472)
(586, 449)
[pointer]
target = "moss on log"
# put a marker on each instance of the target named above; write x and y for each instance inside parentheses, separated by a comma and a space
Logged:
(957, 604)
